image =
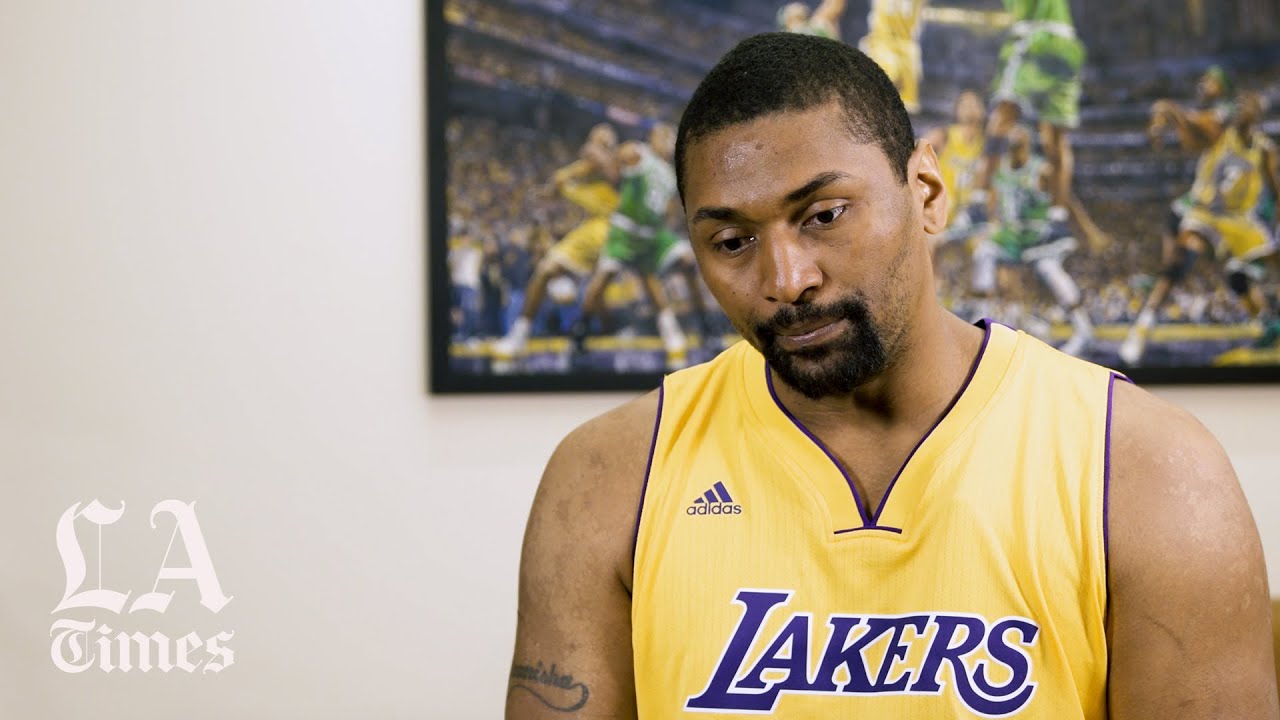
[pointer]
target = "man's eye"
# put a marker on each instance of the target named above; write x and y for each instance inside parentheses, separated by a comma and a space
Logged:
(732, 246)
(826, 217)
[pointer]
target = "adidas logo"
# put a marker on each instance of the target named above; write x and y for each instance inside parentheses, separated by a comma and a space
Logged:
(715, 501)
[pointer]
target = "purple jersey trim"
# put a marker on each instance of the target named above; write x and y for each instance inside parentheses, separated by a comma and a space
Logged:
(985, 324)
(862, 513)
(1106, 540)
(870, 523)
(1106, 480)
(870, 527)
(648, 468)
(1106, 514)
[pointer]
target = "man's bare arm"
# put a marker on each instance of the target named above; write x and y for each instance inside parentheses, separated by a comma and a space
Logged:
(573, 172)
(1189, 624)
(573, 637)
(602, 160)
(830, 11)
(1196, 129)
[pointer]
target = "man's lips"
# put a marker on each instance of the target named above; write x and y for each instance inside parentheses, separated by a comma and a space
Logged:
(807, 334)
(805, 328)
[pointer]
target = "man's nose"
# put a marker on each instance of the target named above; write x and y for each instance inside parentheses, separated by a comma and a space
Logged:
(789, 270)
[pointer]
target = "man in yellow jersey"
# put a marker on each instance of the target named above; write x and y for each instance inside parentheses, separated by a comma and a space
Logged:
(1221, 220)
(869, 508)
(959, 148)
(823, 21)
(589, 183)
(1197, 129)
(893, 41)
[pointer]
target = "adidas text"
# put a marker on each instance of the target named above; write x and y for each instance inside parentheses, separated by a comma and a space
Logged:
(714, 509)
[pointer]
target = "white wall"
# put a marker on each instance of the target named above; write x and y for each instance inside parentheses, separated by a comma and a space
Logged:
(211, 289)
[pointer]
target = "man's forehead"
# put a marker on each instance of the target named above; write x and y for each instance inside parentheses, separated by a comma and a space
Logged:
(778, 148)
(780, 126)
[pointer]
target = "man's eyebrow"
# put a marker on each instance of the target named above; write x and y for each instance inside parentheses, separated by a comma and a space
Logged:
(817, 183)
(714, 213)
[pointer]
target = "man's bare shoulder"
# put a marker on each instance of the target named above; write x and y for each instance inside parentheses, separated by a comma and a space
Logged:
(616, 442)
(1155, 442)
(590, 490)
(1172, 486)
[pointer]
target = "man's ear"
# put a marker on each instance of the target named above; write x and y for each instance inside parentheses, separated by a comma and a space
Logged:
(924, 175)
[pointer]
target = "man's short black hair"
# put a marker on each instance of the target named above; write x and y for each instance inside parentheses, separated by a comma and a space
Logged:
(780, 72)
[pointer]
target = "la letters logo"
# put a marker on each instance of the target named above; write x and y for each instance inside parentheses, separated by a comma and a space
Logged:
(956, 637)
(81, 644)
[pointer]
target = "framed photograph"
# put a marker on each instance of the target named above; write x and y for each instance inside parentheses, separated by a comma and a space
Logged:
(1111, 167)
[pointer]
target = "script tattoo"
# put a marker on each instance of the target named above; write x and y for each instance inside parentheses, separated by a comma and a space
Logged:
(572, 697)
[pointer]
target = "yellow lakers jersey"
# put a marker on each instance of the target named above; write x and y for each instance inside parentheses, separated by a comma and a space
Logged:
(960, 160)
(1229, 175)
(976, 588)
(896, 19)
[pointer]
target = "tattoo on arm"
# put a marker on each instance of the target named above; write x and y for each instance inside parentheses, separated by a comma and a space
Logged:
(556, 691)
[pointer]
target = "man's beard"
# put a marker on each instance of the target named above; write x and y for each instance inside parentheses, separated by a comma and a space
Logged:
(835, 367)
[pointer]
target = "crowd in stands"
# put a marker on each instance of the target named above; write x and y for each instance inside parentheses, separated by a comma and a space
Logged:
(539, 74)
(693, 34)
(538, 26)
(502, 216)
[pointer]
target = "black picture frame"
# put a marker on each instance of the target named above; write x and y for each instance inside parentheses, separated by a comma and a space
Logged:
(446, 379)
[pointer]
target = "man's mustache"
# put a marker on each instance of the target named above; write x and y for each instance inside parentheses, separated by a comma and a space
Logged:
(792, 315)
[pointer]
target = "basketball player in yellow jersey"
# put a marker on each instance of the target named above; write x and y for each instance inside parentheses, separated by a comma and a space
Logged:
(893, 41)
(823, 21)
(959, 150)
(589, 182)
(1221, 221)
(869, 508)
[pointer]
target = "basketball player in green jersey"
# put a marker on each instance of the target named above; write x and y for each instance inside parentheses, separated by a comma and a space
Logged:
(639, 239)
(1041, 63)
(1026, 235)
(811, 208)
(824, 21)
(676, 259)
